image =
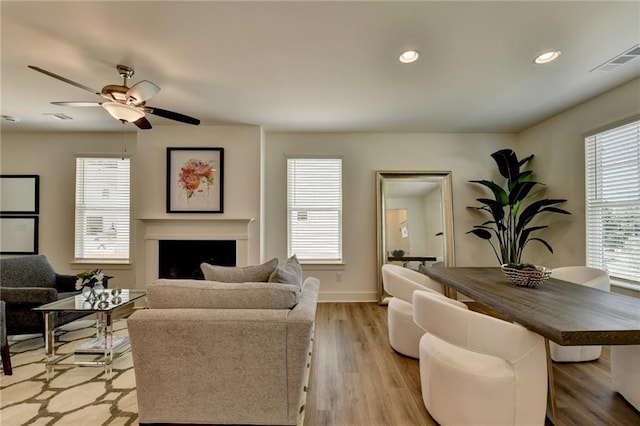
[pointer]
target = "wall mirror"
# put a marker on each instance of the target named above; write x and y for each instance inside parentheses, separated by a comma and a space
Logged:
(414, 221)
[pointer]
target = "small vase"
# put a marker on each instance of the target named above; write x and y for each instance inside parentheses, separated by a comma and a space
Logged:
(89, 293)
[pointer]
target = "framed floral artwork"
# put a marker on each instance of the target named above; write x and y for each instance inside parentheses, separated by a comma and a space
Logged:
(195, 180)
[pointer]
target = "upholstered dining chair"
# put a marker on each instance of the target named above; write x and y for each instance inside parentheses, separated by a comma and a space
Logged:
(589, 277)
(476, 369)
(625, 372)
(401, 282)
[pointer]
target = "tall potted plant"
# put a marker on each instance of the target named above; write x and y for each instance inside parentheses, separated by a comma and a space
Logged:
(512, 209)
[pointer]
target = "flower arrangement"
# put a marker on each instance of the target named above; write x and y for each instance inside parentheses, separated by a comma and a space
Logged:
(193, 173)
(89, 278)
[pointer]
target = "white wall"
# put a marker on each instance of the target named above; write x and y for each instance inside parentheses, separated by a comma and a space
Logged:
(241, 177)
(255, 170)
(558, 146)
(467, 156)
(52, 156)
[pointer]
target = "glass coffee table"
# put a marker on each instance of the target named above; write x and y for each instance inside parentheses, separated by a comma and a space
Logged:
(104, 348)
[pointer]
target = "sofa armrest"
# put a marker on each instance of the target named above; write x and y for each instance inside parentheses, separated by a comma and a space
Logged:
(66, 283)
(28, 295)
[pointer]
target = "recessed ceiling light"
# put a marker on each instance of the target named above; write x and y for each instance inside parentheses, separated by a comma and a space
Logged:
(546, 57)
(409, 56)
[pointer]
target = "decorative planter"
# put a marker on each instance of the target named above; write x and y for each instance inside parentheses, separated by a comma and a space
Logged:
(526, 275)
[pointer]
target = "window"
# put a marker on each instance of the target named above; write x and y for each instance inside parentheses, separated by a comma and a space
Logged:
(102, 209)
(314, 209)
(613, 202)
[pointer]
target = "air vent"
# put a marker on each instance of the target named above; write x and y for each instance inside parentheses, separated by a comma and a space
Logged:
(621, 59)
(58, 115)
(10, 118)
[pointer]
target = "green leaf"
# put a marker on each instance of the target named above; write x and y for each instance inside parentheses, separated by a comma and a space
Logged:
(499, 193)
(482, 233)
(524, 236)
(554, 210)
(520, 191)
(525, 160)
(507, 162)
(525, 176)
(533, 209)
(546, 244)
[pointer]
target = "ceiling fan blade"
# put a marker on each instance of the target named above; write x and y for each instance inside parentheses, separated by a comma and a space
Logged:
(171, 115)
(78, 104)
(66, 80)
(142, 123)
(142, 91)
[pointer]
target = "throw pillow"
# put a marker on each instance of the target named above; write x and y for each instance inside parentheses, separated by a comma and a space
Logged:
(290, 272)
(230, 274)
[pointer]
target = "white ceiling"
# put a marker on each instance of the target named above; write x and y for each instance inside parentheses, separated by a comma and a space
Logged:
(316, 66)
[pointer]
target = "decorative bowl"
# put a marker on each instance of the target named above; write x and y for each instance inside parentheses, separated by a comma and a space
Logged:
(526, 275)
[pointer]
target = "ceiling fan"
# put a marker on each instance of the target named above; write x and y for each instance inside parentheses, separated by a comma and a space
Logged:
(127, 104)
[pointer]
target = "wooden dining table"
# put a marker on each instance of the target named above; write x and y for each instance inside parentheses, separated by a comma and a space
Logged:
(564, 312)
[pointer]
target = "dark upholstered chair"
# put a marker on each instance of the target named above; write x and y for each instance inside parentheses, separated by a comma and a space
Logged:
(30, 281)
(4, 343)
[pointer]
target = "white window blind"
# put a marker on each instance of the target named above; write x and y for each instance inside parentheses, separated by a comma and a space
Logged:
(314, 209)
(102, 209)
(613, 202)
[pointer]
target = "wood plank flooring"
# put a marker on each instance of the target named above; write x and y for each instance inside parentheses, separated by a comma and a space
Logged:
(357, 379)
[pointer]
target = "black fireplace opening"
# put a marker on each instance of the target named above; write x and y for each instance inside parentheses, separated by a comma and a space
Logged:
(182, 258)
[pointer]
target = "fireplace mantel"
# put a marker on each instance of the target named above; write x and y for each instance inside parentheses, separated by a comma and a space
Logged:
(192, 228)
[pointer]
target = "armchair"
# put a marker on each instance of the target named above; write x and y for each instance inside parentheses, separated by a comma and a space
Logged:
(588, 277)
(30, 281)
(476, 369)
(401, 282)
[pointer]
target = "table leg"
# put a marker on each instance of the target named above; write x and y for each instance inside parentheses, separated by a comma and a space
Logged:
(450, 292)
(106, 332)
(49, 341)
(551, 394)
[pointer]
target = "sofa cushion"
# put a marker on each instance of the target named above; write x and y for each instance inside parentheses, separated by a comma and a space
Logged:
(244, 274)
(27, 271)
(201, 294)
(290, 272)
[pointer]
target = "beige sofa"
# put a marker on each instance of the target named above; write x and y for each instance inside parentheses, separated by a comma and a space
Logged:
(222, 353)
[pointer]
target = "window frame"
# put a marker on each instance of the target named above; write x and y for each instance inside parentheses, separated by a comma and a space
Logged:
(339, 260)
(80, 254)
(594, 204)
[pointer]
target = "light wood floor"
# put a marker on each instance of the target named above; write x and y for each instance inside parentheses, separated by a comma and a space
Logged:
(358, 379)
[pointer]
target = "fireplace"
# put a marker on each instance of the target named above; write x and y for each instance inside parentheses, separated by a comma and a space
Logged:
(195, 231)
(182, 258)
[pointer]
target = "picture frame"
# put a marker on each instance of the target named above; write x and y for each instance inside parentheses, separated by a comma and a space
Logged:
(19, 194)
(195, 180)
(18, 234)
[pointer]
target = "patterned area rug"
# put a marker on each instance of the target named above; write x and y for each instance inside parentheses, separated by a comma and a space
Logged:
(74, 395)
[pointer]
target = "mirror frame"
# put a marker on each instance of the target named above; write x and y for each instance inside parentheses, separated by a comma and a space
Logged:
(442, 177)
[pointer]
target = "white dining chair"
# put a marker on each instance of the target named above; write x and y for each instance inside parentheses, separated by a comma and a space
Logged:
(401, 282)
(588, 277)
(625, 372)
(476, 369)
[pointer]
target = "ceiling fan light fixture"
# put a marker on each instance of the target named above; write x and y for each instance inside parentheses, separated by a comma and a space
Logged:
(409, 56)
(123, 112)
(546, 57)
